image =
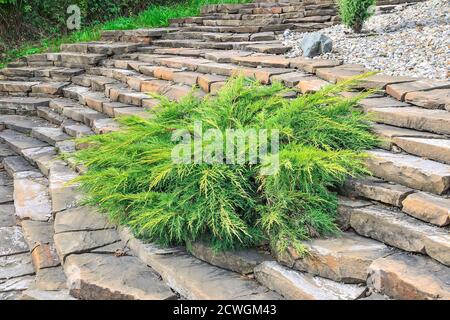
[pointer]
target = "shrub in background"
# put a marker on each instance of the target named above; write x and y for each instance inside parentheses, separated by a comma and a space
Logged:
(132, 178)
(354, 12)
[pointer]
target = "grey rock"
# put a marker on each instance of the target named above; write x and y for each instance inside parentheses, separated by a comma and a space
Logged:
(314, 44)
(241, 261)
(51, 279)
(80, 219)
(7, 215)
(295, 285)
(410, 277)
(15, 266)
(12, 241)
(83, 241)
(100, 276)
(34, 294)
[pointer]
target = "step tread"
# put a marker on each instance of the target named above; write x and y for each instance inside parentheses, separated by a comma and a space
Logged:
(409, 170)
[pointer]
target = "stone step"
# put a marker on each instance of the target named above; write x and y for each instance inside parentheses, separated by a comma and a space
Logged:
(410, 277)
(192, 278)
(427, 207)
(24, 124)
(344, 259)
(31, 197)
(400, 90)
(100, 47)
(50, 135)
(433, 149)
(378, 190)
(140, 36)
(436, 121)
(18, 141)
(388, 133)
(294, 285)
(399, 230)
(410, 171)
(73, 59)
(241, 261)
(17, 164)
(50, 115)
(21, 105)
(21, 87)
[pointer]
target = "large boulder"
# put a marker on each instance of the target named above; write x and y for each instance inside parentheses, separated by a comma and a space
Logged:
(315, 44)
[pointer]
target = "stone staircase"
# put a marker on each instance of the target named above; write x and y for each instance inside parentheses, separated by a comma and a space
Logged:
(396, 238)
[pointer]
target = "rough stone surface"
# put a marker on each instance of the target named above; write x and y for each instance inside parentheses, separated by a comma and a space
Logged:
(294, 285)
(399, 230)
(242, 261)
(379, 190)
(82, 241)
(14, 266)
(427, 207)
(31, 198)
(63, 192)
(51, 279)
(410, 277)
(410, 171)
(7, 215)
(343, 259)
(106, 277)
(434, 149)
(12, 241)
(80, 219)
(315, 44)
(193, 278)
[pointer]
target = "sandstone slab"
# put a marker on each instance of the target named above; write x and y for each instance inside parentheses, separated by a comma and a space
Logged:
(410, 171)
(106, 277)
(12, 241)
(344, 259)
(294, 285)
(80, 219)
(427, 207)
(241, 261)
(31, 198)
(410, 277)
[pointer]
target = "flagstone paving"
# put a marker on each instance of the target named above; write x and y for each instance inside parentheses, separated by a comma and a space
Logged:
(395, 242)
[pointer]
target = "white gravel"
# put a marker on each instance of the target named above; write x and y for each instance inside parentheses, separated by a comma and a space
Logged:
(413, 41)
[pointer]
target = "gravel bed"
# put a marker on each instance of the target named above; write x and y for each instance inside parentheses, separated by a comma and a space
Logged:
(412, 41)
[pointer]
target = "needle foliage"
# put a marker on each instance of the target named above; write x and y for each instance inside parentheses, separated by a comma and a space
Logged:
(133, 179)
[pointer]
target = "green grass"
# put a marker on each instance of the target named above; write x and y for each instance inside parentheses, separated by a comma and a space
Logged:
(154, 16)
(132, 178)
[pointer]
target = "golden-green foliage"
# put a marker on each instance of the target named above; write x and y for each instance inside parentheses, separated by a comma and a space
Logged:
(133, 179)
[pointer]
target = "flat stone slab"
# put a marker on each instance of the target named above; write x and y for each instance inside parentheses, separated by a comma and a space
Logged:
(429, 208)
(23, 124)
(106, 277)
(68, 243)
(33, 294)
(18, 141)
(50, 135)
(434, 149)
(14, 266)
(64, 193)
(436, 121)
(7, 215)
(411, 171)
(241, 261)
(399, 230)
(433, 99)
(80, 219)
(383, 102)
(295, 285)
(410, 277)
(17, 164)
(12, 241)
(31, 197)
(22, 103)
(51, 279)
(16, 284)
(344, 259)
(387, 133)
(6, 194)
(377, 189)
(345, 209)
(399, 90)
(193, 278)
